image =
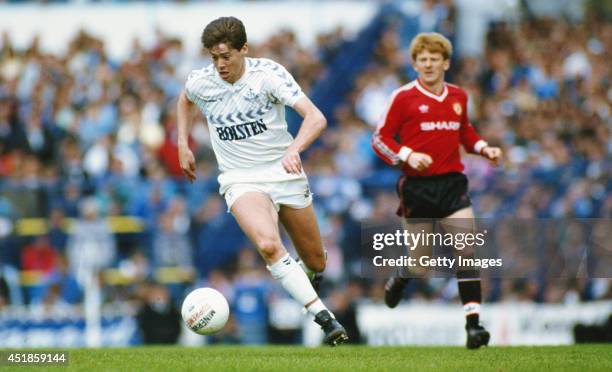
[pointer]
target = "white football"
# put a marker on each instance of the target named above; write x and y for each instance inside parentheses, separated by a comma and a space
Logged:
(205, 311)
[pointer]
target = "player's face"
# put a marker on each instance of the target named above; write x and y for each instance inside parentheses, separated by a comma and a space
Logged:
(431, 67)
(228, 61)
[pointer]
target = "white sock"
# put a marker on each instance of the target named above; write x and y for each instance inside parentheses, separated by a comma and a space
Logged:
(318, 306)
(295, 281)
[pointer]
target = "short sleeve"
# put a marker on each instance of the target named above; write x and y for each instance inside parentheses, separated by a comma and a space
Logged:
(283, 87)
(194, 85)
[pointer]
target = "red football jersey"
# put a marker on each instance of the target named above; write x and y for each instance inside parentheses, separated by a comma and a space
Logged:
(421, 121)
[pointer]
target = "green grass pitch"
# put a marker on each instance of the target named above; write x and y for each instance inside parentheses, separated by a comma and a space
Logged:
(343, 358)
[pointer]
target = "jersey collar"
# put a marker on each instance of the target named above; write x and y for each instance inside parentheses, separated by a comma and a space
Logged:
(430, 94)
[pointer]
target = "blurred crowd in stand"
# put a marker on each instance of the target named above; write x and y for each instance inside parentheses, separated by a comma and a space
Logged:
(84, 137)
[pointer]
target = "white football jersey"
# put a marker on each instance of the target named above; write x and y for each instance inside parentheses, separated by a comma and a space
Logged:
(246, 119)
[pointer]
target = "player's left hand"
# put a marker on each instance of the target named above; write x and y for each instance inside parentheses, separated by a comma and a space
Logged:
(292, 161)
(493, 154)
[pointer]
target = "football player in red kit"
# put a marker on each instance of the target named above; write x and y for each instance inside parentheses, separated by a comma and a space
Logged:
(424, 125)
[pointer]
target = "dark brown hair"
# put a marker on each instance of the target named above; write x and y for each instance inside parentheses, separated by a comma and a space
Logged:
(228, 30)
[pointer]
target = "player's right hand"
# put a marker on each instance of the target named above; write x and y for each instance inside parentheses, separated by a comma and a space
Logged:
(292, 162)
(419, 161)
(187, 162)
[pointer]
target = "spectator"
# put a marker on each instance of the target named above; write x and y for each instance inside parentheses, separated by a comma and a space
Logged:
(91, 245)
(4, 293)
(158, 320)
(62, 281)
(171, 246)
(39, 256)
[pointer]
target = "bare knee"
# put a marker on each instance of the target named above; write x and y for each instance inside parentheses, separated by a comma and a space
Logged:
(270, 248)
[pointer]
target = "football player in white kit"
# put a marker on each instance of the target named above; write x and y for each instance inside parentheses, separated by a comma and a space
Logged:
(262, 180)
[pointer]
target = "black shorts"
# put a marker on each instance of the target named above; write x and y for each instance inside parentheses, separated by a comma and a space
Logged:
(432, 197)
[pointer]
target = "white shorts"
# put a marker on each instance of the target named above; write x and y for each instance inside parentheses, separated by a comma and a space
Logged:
(271, 179)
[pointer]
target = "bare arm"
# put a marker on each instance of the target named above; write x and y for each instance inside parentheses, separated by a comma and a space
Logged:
(313, 125)
(186, 158)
